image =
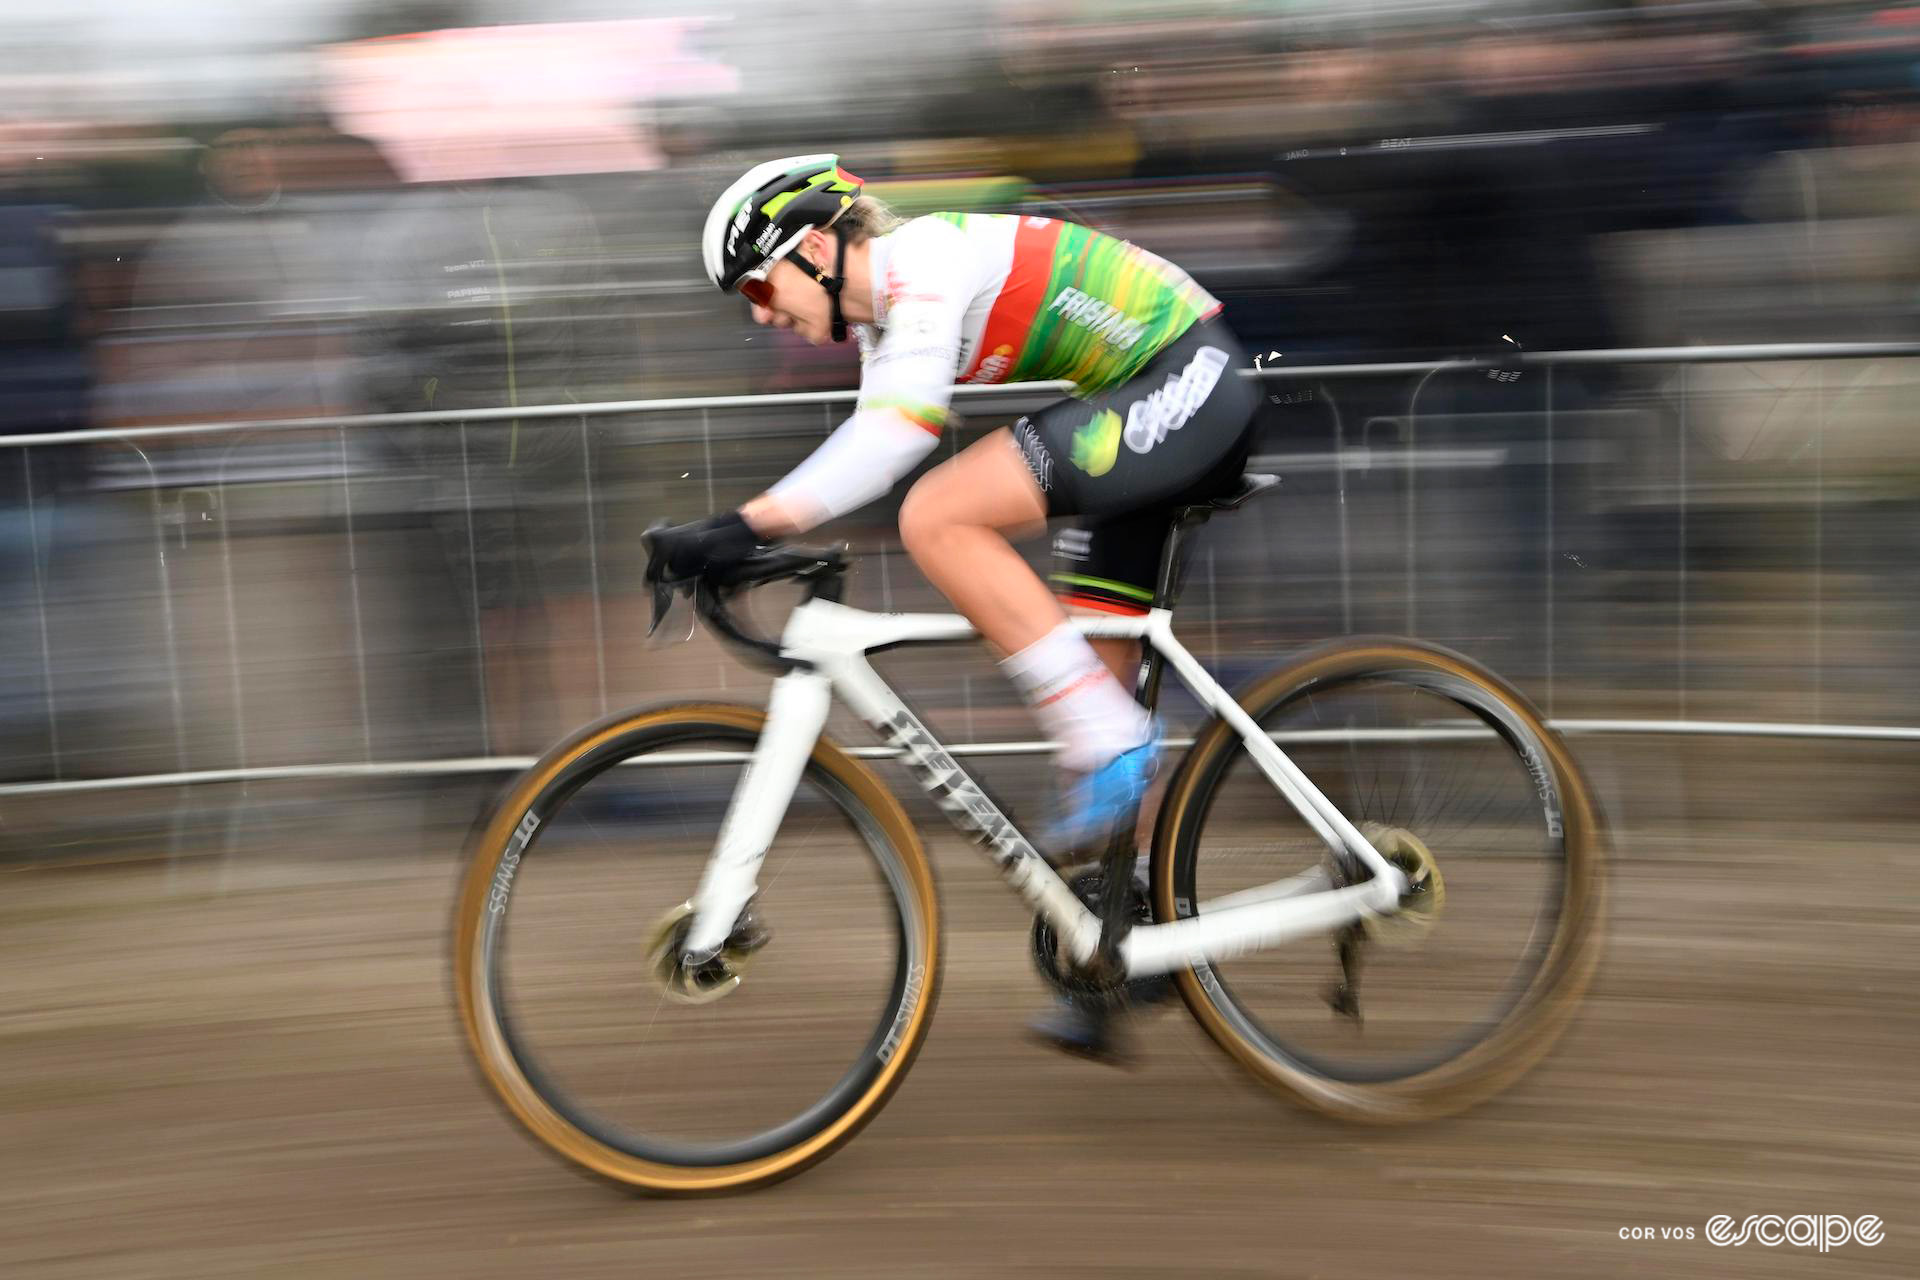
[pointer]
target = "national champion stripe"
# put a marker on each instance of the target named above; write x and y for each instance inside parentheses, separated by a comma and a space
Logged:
(1081, 306)
(1085, 680)
(1079, 601)
(928, 417)
(1019, 301)
(1075, 304)
(1103, 584)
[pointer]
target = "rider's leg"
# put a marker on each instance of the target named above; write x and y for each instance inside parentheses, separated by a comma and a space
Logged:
(1105, 566)
(1121, 655)
(955, 524)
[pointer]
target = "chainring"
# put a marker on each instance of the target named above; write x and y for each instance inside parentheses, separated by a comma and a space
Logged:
(1069, 979)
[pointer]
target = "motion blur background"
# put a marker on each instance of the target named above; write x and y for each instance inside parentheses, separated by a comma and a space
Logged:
(298, 630)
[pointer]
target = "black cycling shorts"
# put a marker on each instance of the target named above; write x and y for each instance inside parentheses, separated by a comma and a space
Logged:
(1176, 433)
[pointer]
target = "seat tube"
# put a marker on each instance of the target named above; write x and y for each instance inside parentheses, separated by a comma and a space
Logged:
(796, 713)
(1166, 590)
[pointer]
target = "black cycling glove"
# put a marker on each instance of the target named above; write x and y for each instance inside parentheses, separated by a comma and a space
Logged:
(702, 547)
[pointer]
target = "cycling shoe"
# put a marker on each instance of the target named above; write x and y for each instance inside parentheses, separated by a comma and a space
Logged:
(1083, 1028)
(1102, 802)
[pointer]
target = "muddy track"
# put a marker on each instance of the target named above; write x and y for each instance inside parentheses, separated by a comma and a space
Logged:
(249, 1067)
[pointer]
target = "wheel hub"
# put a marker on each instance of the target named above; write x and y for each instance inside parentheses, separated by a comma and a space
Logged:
(1426, 894)
(700, 980)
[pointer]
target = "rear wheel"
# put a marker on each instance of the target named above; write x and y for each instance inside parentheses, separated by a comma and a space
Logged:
(1451, 775)
(755, 1064)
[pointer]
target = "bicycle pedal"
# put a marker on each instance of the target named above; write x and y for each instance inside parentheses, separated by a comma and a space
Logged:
(1345, 1001)
(1083, 1029)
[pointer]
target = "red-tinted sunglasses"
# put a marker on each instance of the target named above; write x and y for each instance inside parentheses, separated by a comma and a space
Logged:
(757, 291)
(754, 287)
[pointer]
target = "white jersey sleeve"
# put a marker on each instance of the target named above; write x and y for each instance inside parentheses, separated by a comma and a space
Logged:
(922, 288)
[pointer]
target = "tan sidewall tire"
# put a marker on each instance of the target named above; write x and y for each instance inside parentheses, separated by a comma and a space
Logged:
(1541, 1013)
(490, 1050)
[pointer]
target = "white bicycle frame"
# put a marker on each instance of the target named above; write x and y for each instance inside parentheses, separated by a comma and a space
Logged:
(833, 641)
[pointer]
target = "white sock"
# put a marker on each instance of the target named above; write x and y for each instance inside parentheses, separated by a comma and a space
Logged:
(1076, 698)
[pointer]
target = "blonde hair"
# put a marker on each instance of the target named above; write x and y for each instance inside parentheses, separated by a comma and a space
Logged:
(867, 218)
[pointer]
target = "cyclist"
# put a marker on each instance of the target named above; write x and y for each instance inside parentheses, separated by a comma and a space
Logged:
(1160, 417)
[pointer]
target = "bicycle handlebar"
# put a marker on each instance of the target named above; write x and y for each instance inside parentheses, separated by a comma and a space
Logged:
(823, 569)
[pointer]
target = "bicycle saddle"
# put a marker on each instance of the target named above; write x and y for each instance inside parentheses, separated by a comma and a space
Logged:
(1251, 486)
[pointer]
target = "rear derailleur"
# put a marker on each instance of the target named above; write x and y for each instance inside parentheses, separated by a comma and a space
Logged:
(1408, 926)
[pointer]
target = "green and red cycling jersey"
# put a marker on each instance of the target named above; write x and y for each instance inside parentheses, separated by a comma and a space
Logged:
(988, 298)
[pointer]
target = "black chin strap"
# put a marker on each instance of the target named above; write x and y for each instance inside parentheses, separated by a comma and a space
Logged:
(833, 283)
(833, 289)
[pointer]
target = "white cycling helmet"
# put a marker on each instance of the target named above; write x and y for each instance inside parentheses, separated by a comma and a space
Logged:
(762, 218)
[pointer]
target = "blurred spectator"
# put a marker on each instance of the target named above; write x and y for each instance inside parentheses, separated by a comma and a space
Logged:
(486, 296)
(688, 332)
(1829, 250)
(238, 303)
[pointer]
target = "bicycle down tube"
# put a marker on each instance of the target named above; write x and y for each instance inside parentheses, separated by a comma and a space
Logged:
(833, 641)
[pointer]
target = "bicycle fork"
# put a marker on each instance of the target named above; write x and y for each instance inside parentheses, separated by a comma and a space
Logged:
(796, 713)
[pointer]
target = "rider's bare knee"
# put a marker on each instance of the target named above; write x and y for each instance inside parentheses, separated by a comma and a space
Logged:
(924, 516)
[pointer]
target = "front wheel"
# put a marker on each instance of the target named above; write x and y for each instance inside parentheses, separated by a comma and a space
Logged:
(1451, 775)
(612, 1053)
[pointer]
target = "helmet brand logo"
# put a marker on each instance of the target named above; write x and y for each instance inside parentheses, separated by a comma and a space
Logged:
(739, 225)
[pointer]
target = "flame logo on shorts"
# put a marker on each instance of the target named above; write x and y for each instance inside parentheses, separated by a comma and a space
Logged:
(1097, 445)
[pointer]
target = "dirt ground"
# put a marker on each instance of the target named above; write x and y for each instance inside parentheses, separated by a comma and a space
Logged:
(249, 1066)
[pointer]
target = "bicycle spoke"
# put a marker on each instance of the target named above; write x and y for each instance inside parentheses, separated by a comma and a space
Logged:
(713, 1061)
(633, 1062)
(1465, 802)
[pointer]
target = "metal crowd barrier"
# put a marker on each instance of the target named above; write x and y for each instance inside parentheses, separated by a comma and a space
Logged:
(1342, 455)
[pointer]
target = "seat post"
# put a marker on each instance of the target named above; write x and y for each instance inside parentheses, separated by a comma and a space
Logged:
(1168, 589)
(1166, 593)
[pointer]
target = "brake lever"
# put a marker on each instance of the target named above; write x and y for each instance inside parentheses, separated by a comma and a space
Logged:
(662, 603)
(666, 621)
(657, 583)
